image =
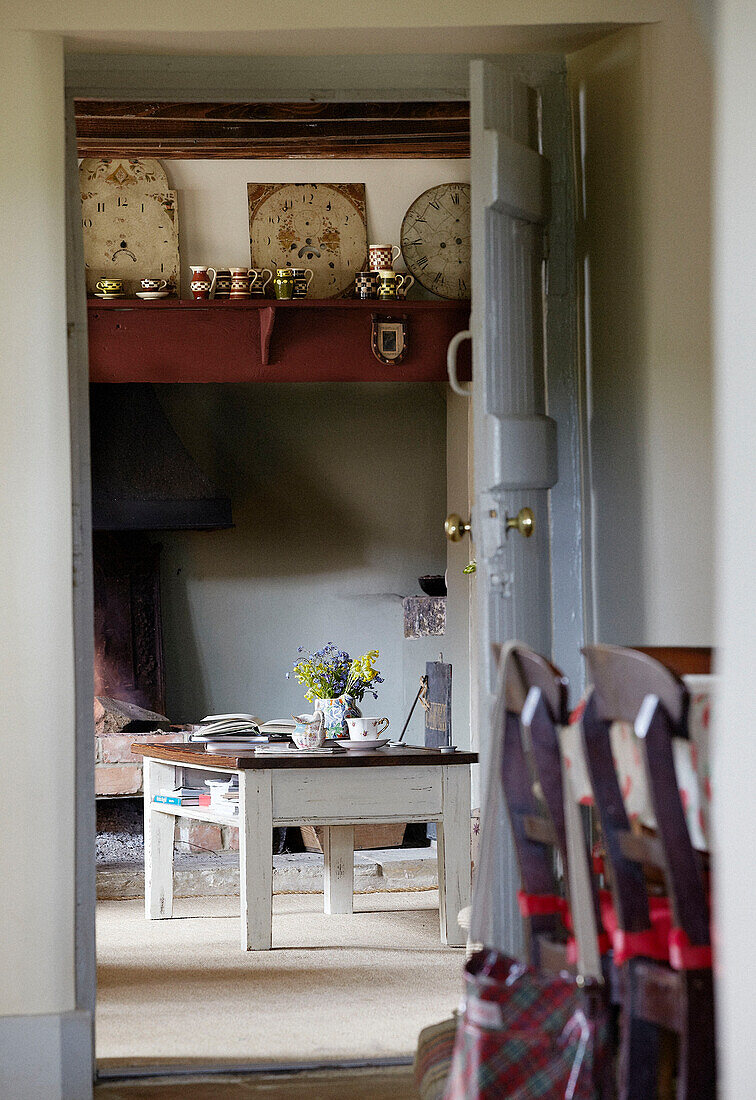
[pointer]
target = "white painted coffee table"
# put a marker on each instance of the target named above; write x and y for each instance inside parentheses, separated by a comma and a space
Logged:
(337, 792)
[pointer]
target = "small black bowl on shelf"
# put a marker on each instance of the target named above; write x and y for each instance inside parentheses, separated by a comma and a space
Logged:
(433, 584)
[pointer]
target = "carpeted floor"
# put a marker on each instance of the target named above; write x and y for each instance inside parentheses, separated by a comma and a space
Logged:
(333, 987)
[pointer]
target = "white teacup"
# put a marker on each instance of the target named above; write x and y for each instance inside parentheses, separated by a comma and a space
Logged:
(366, 729)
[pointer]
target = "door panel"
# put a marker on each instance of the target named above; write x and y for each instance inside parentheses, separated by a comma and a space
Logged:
(515, 441)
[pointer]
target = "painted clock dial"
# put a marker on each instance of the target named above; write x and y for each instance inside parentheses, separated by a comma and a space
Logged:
(129, 221)
(435, 240)
(317, 225)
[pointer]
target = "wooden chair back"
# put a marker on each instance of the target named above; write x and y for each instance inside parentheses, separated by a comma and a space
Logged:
(658, 992)
(530, 771)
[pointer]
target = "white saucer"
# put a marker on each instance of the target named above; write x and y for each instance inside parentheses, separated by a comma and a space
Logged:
(376, 743)
(150, 294)
(106, 296)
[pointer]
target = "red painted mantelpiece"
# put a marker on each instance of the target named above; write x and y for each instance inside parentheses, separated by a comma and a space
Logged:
(267, 341)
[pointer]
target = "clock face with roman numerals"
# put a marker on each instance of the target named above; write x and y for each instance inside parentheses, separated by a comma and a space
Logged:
(435, 240)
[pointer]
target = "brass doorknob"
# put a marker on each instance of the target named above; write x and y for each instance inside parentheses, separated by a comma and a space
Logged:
(524, 522)
(456, 528)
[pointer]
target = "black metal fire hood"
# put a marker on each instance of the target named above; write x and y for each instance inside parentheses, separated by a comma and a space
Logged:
(143, 478)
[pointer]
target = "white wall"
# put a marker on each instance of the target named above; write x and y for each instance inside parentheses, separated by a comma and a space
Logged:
(36, 632)
(338, 496)
(643, 102)
(338, 492)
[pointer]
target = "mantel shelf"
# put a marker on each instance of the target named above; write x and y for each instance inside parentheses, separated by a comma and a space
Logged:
(263, 340)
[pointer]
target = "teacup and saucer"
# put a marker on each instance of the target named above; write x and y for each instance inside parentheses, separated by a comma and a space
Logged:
(365, 733)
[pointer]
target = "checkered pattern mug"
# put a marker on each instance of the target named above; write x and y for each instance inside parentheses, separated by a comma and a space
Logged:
(382, 256)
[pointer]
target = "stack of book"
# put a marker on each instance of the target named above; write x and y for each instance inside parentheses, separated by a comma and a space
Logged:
(183, 796)
(235, 733)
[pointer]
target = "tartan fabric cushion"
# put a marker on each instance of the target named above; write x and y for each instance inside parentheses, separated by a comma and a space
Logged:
(524, 1035)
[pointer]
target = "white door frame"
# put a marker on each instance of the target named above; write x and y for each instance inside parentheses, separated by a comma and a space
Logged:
(380, 78)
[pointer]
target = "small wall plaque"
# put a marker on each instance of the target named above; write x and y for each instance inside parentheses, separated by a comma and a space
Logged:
(389, 339)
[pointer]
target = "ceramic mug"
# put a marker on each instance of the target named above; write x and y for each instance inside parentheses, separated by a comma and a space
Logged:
(242, 279)
(366, 729)
(382, 256)
(366, 284)
(303, 276)
(223, 283)
(263, 278)
(109, 286)
(202, 284)
(407, 282)
(388, 281)
(153, 286)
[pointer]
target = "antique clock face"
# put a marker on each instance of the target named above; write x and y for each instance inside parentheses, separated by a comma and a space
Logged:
(435, 240)
(130, 222)
(317, 225)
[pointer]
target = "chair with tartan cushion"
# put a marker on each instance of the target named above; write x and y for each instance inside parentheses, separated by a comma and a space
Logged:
(662, 946)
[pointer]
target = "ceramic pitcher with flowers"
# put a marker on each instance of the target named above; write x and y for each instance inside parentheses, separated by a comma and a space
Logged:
(335, 712)
(336, 683)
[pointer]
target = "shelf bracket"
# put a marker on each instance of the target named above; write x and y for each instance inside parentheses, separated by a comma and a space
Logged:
(267, 324)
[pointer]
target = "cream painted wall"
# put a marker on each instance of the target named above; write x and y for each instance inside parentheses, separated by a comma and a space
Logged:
(214, 220)
(643, 110)
(330, 26)
(36, 633)
(735, 718)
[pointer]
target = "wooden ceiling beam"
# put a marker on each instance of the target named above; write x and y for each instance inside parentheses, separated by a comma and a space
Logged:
(281, 112)
(257, 130)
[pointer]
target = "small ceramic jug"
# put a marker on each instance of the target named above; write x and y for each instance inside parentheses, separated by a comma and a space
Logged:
(241, 279)
(223, 283)
(283, 284)
(264, 277)
(404, 283)
(310, 731)
(202, 283)
(302, 278)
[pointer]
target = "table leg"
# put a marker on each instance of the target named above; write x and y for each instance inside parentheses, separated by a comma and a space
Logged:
(338, 868)
(256, 859)
(454, 869)
(158, 842)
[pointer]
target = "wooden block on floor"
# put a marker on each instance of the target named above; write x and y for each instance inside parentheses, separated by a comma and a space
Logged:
(365, 837)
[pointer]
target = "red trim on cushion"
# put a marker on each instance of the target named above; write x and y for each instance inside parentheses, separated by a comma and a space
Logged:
(540, 905)
(578, 712)
(629, 945)
(653, 942)
(683, 955)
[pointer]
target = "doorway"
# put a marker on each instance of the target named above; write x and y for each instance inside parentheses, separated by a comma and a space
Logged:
(397, 75)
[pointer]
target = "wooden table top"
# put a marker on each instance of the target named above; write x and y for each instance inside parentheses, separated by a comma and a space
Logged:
(193, 754)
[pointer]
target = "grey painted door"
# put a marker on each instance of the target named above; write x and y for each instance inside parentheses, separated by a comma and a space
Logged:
(514, 440)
